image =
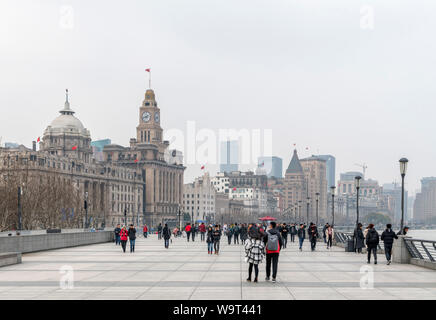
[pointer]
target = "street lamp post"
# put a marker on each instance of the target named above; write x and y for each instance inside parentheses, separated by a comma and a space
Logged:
(307, 210)
(317, 208)
(299, 209)
(125, 216)
(403, 169)
(332, 188)
(19, 227)
(357, 180)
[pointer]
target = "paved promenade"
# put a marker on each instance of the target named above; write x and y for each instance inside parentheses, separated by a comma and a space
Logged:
(186, 271)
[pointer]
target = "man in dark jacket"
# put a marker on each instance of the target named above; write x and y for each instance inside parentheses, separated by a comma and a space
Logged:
(236, 231)
(273, 243)
(293, 231)
(166, 234)
(372, 240)
(301, 235)
(159, 231)
(132, 237)
(117, 234)
(243, 233)
(313, 235)
(216, 236)
(284, 232)
(388, 237)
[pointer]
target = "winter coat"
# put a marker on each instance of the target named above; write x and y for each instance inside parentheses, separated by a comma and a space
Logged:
(388, 237)
(313, 232)
(216, 235)
(123, 234)
(326, 233)
(359, 238)
(293, 230)
(202, 228)
(372, 238)
(166, 233)
(301, 233)
(209, 236)
(117, 231)
(284, 231)
(132, 233)
(188, 228)
(254, 251)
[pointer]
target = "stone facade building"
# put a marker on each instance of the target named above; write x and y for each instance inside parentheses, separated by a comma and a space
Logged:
(199, 199)
(65, 158)
(162, 196)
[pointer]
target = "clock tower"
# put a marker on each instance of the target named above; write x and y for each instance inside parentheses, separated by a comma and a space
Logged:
(149, 129)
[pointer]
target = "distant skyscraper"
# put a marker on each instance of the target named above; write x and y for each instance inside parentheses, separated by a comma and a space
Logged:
(272, 166)
(97, 148)
(330, 169)
(229, 156)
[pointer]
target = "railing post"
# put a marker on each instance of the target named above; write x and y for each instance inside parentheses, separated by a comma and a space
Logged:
(400, 253)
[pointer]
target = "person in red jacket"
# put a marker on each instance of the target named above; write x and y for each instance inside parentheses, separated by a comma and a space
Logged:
(188, 229)
(274, 243)
(145, 231)
(202, 229)
(123, 237)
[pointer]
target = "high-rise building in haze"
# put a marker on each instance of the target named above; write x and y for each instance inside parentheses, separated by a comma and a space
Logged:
(229, 156)
(271, 166)
(330, 169)
(424, 209)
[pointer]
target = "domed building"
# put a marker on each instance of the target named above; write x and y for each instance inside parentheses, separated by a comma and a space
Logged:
(66, 136)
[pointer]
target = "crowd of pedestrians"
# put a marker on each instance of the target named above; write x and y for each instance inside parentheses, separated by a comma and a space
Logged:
(262, 241)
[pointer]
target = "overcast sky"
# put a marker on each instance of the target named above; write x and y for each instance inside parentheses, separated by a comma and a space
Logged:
(306, 69)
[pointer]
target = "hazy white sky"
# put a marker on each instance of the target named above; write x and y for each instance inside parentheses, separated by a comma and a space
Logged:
(304, 68)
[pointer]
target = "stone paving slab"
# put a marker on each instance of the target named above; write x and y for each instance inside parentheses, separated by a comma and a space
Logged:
(187, 272)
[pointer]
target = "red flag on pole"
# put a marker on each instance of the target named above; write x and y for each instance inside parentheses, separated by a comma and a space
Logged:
(38, 140)
(148, 69)
(202, 167)
(74, 148)
(136, 160)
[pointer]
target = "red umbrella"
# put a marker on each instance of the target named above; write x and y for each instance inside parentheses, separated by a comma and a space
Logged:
(267, 218)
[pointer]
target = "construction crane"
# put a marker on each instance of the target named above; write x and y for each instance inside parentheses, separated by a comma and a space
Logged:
(364, 167)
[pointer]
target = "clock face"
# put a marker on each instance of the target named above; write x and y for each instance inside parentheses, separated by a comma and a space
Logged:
(156, 117)
(146, 116)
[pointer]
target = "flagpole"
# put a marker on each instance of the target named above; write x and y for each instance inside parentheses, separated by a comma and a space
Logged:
(149, 79)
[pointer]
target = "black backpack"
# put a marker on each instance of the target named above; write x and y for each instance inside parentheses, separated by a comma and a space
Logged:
(372, 237)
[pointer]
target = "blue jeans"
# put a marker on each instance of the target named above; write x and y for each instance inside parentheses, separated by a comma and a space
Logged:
(301, 240)
(117, 240)
(132, 245)
(166, 243)
(210, 246)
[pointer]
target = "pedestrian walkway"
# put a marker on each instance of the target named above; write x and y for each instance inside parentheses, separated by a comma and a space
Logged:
(186, 271)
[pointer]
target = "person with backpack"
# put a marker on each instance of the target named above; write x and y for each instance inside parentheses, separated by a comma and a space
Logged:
(117, 234)
(254, 253)
(329, 234)
(388, 237)
(274, 243)
(159, 231)
(166, 234)
(216, 236)
(132, 238)
(123, 238)
(372, 240)
(293, 232)
(236, 231)
(301, 236)
(313, 235)
(188, 229)
(229, 234)
(194, 230)
(202, 229)
(284, 232)
(145, 231)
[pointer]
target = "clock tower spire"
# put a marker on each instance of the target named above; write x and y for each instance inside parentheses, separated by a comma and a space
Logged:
(149, 129)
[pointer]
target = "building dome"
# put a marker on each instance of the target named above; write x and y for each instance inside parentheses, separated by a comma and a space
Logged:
(67, 122)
